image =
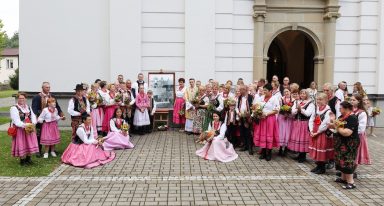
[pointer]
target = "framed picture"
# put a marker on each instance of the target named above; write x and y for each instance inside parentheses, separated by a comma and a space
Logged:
(163, 86)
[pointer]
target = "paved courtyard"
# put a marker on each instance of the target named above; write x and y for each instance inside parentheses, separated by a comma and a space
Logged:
(163, 170)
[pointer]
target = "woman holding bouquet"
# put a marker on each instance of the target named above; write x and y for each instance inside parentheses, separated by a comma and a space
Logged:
(23, 119)
(111, 100)
(179, 106)
(217, 147)
(118, 137)
(201, 103)
(285, 121)
(266, 130)
(346, 144)
(97, 112)
(320, 145)
(84, 150)
(302, 110)
(141, 118)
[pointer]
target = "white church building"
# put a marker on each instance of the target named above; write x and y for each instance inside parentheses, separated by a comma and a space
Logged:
(70, 41)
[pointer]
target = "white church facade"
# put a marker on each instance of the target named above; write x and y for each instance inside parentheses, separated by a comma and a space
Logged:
(67, 42)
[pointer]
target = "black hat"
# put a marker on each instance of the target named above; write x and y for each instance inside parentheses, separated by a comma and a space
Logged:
(79, 87)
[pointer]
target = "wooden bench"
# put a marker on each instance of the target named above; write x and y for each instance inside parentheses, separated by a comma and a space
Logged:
(160, 116)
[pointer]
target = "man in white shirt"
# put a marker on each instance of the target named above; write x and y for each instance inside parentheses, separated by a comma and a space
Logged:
(340, 91)
(78, 105)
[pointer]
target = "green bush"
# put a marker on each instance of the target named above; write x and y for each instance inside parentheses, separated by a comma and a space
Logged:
(14, 80)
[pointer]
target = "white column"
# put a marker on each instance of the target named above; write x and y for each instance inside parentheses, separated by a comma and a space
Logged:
(380, 65)
(125, 38)
(200, 39)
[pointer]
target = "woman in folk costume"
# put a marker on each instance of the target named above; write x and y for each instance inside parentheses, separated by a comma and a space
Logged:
(276, 89)
(284, 120)
(320, 144)
(313, 91)
(201, 111)
(127, 105)
(84, 150)
(363, 156)
(302, 110)
(141, 118)
(179, 106)
(218, 148)
(208, 115)
(118, 136)
(190, 112)
(50, 135)
(266, 131)
(111, 101)
(97, 112)
(24, 143)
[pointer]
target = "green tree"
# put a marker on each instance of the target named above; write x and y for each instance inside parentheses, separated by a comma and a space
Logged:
(13, 42)
(3, 37)
(14, 80)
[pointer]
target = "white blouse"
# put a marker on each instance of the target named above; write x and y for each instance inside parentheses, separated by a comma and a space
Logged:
(272, 104)
(223, 129)
(258, 98)
(107, 100)
(14, 112)
(180, 93)
(87, 138)
(323, 125)
(47, 116)
(71, 108)
(363, 119)
(307, 112)
(113, 127)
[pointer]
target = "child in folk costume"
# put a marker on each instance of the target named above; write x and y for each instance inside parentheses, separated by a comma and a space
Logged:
(299, 139)
(151, 110)
(218, 148)
(284, 120)
(118, 136)
(97, 112)
(23, 143)
(179, 106)
(320, 144)
(363, 156)
(370, 121)
(201, 111)
(84, 150)
(112, 100)
(232, 121)
(50, 135)
(141, 118)
(266, 131)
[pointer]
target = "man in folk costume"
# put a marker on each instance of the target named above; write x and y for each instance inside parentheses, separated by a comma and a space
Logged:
(190, 94)
(334, 104)
(244, 105)
(132, 90)
(78, 105)
(232, 120)
(139, 82)
(120, 83)
(39, 102)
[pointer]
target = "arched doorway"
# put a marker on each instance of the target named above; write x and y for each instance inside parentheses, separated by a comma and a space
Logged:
(291, 54)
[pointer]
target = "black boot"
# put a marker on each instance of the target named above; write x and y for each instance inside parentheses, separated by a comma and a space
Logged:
(263, 154)
(321, 169)
(302, 157)
(316, 168)
(268, 155)
(285, 151)
(28, 160)
(281, 153)
(250, 150)
(22, 162)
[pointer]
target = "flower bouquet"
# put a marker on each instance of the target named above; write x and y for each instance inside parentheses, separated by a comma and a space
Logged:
(100, 141)
(339, 123)
(127, 101)
(285, 110)
(118, 97)
(182, 112)
(376, 111)
(206, 136)
(29, 128)
(92, 97)
(257, 113)
(196, 102)
(226, 103)
(125, 127)
(211, 107)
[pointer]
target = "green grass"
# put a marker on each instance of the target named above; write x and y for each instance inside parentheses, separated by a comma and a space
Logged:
(9, 166)
(4, 120)
(5, 109)
(7, 93)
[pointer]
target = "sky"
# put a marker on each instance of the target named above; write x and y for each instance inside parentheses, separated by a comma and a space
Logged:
(9, 14)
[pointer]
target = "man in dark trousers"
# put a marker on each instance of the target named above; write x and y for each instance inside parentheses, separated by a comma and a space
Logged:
(244, 105)
(39, 102)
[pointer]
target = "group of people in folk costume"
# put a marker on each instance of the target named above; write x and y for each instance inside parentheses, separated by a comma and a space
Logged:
(264, 115)
(331, 129)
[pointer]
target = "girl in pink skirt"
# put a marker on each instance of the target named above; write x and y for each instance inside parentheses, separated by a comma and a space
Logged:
(117, 138)
(284, 121)
(97, 112)
(109, 103)
(266, 130)
(320, 145)
(24, 143)
(219, 148)
(299, 139)
(84, 150)
(179, 105)
(50, 135)
(363, 156)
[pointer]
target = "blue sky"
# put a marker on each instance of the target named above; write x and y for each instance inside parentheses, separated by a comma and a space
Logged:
(9, 14)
